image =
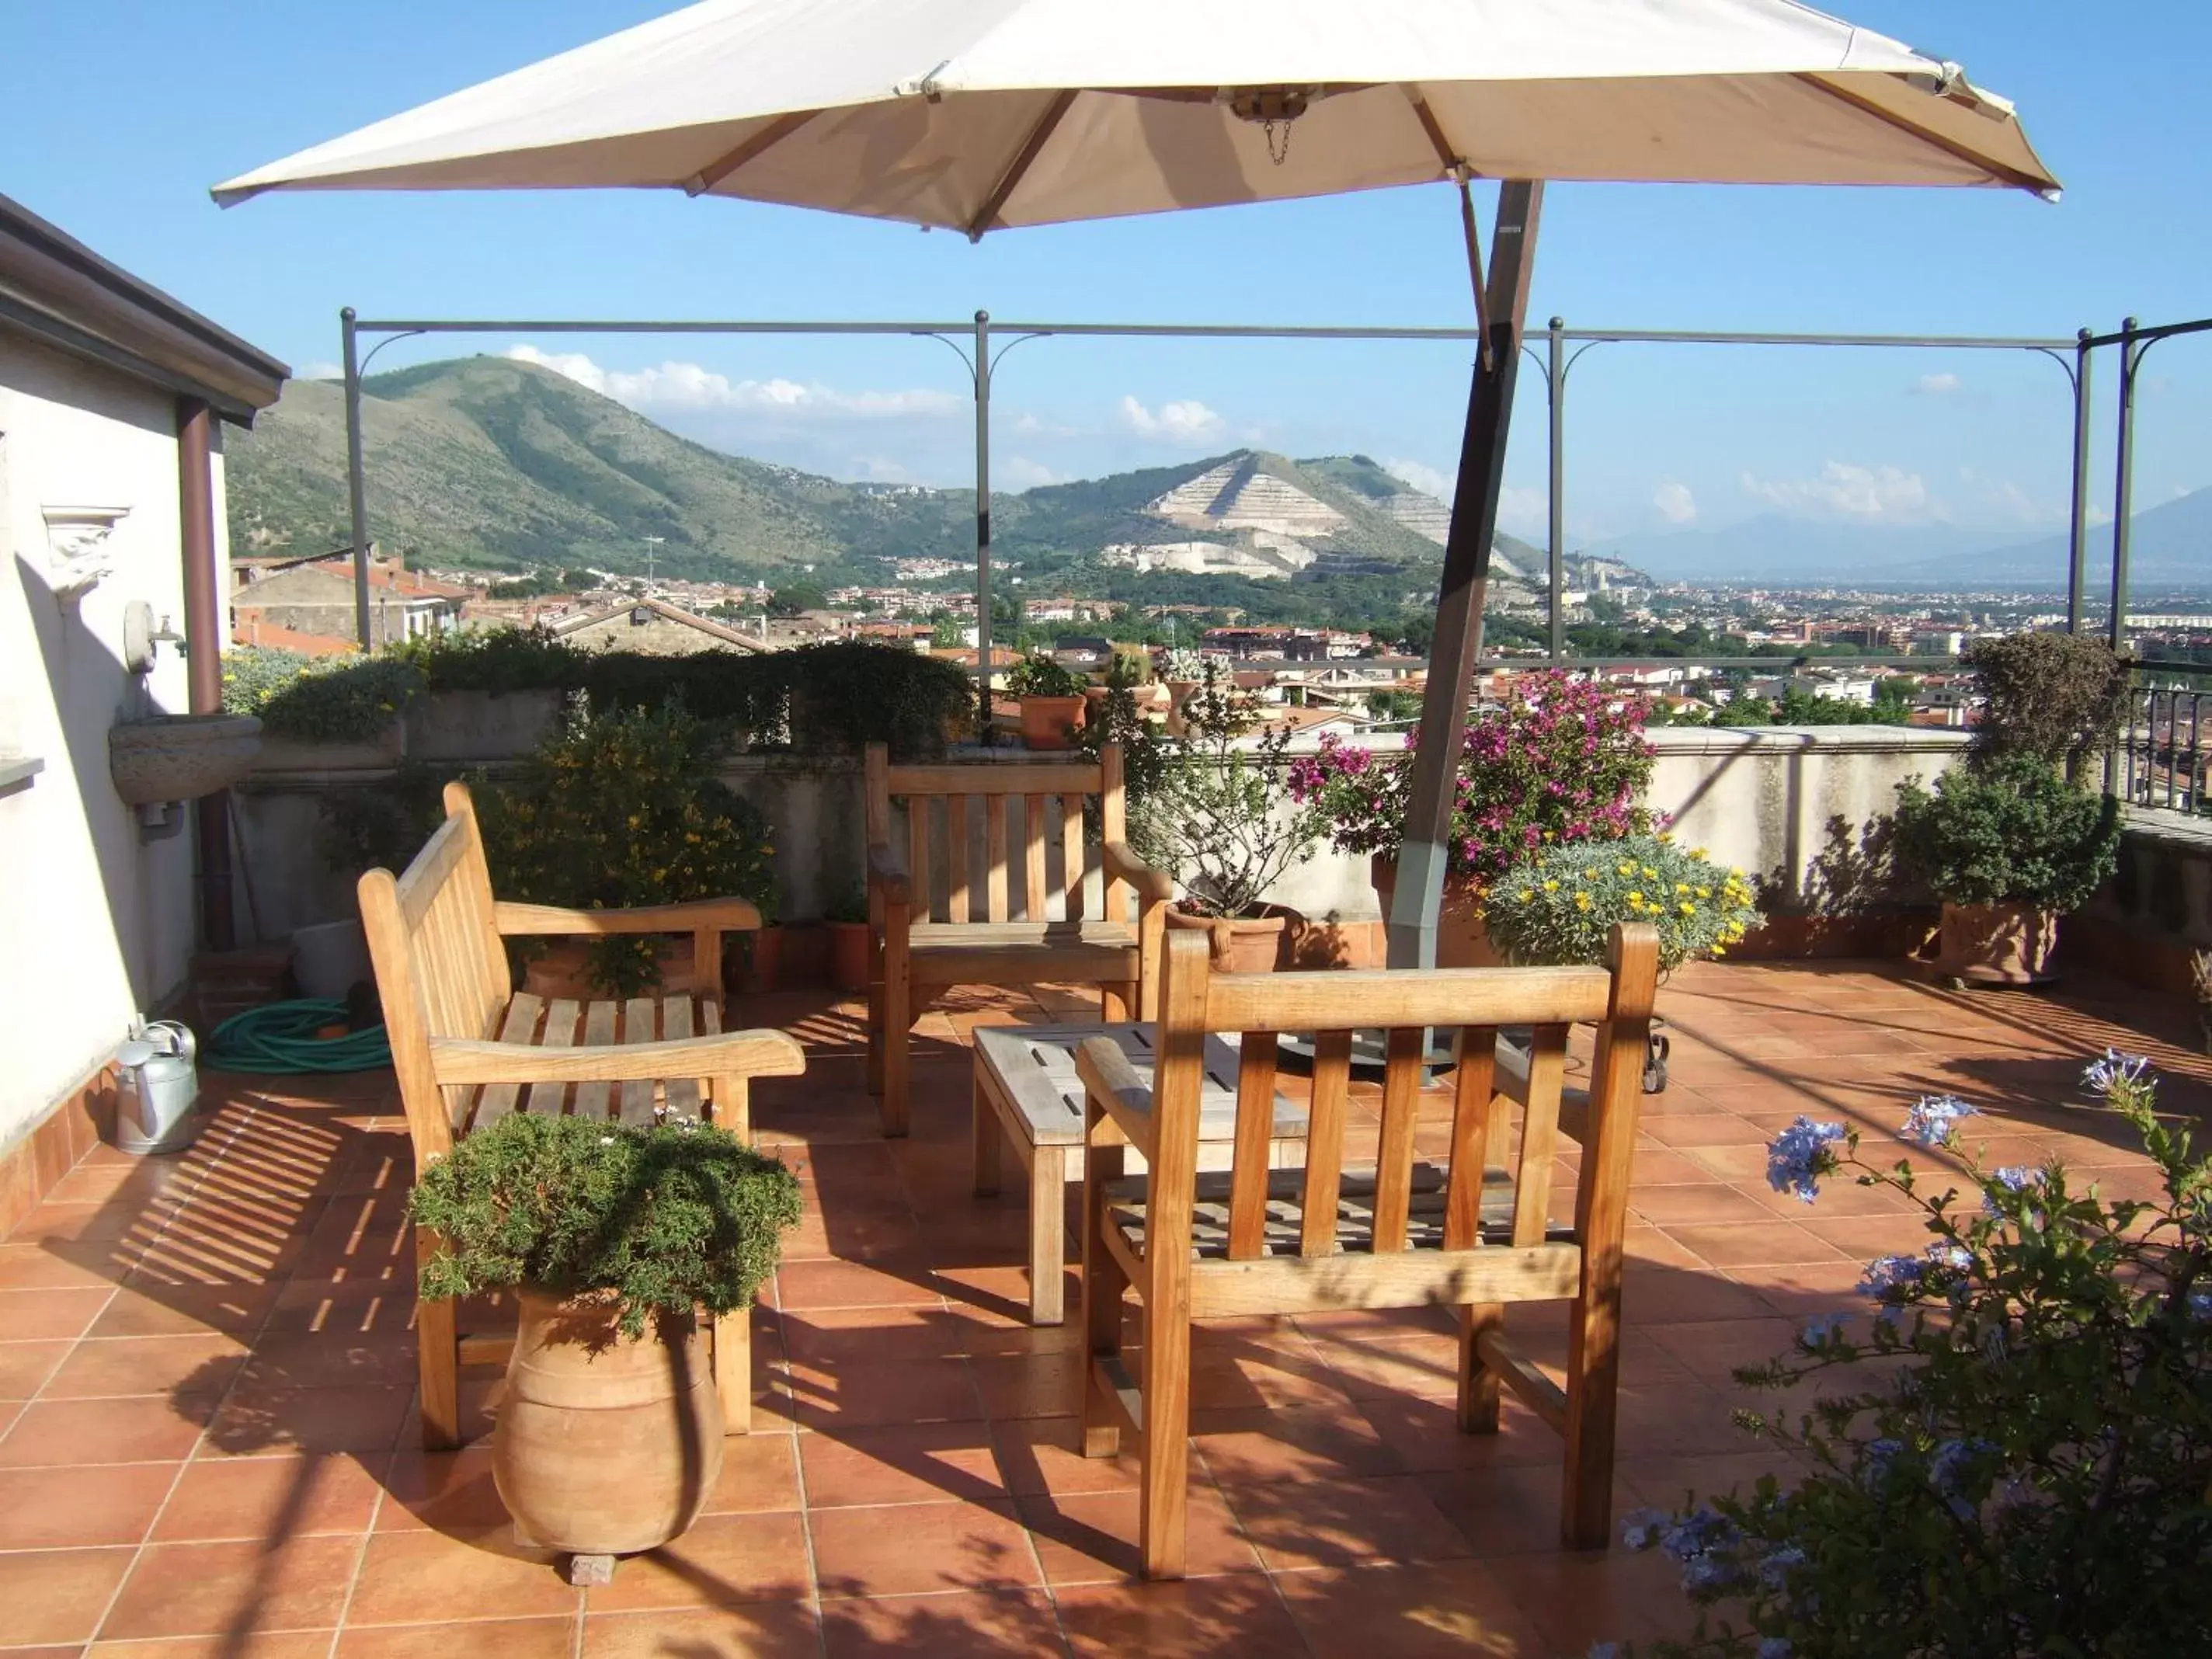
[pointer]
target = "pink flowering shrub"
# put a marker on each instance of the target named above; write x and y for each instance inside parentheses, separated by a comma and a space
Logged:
(1563, 761)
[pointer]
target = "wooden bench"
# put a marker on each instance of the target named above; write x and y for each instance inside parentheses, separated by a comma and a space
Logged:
(1029, 1097)
(470, 1049)
(929, 937)
(1468, 1233)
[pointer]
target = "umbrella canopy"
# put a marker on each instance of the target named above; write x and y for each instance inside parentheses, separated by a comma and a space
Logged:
(977, 114)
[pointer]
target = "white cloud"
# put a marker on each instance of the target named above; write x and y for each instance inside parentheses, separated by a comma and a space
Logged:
(1020, 472)
(1843, 489)
(1675, 503)
(1524, 511)
(691, 388)
(1429, 480)
(319, 372)
(1186, 421)
(1937, 386)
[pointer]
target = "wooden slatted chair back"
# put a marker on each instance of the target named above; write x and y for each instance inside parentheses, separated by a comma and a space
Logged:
(1032, 811)
(441, 966)
(1324, 1215)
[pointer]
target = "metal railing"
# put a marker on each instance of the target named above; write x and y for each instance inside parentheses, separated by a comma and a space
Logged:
(2160, 758)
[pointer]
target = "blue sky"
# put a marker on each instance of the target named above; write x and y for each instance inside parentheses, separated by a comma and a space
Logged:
(135, 108)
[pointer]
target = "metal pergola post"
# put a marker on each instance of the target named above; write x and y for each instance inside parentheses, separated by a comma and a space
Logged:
(356, 475)
(1555, 385)
(2078, 534)
(984, 527)
(2125, 483)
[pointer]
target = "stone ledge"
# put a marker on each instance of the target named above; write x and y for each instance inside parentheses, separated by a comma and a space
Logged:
(1805, 740)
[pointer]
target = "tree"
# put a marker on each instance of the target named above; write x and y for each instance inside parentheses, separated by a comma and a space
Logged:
(797, 597)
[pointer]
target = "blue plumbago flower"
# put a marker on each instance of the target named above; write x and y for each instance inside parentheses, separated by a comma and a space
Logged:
(1879, 1454)
(1931, 1119)
(1603, 1650)
(1640, 1530)
(2200, 1304)
(1774, 1647)
(1701, 1530)
(2014, 1178)
(1892, 1278)
(1774, 1572)
(1800, 1156)
(1817, 1331)
(1951, 1459)
(2115, 1070)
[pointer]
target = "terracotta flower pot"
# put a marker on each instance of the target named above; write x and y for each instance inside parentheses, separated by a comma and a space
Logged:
(1462, 938)
(761, 973)
(606, 1445)
(1051, 722)
(849, 955)
(1237, 945)
(562, 969)
(1997, 943)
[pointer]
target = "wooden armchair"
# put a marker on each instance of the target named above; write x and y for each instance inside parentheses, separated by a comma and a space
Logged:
(1472, 1235)
(918, 957)
(470, 1049)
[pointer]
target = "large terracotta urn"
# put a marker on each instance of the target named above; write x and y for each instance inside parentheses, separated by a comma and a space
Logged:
(1462, 939)
(1997, 943)
(606, 1445)
(1052, 722)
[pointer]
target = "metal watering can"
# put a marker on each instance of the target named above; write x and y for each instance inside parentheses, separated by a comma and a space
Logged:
(161, 1088)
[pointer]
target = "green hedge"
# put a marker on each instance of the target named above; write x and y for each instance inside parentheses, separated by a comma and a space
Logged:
(820, 699)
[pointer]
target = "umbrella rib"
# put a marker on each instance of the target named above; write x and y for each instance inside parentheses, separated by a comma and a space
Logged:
(766, 139)
(1949, 146)
(1054, 112)
(1455, 167)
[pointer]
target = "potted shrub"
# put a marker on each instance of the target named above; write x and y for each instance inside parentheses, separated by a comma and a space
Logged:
(2009, 846)
(1052, 701)
(489, 692)
(1559, 762)
(1220, 819)
(764, 965)
(623, 1242)
(620, 809)
(319, 715)
(1557, 909)
(849, 955)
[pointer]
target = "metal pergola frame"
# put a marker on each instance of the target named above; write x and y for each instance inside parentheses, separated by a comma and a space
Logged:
(1499, 338)
(982, 332)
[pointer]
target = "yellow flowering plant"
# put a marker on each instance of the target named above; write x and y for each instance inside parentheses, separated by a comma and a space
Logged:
(624, 809)
(1557, 908)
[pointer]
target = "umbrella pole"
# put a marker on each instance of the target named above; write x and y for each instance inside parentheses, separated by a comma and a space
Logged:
(1424, 852)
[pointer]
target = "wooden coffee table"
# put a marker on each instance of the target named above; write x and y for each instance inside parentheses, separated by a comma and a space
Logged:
(1027, 1094)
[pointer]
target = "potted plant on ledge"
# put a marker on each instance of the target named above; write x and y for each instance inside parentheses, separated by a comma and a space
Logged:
(1051, 700)
(1220, 818)
(2007, 841)
(1557, 910)
(1559, 762)
(623, 1243)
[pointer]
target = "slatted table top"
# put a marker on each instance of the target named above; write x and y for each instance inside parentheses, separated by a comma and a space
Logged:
(1034, 1066)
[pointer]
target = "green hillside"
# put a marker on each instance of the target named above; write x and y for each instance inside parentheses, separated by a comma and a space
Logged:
(493, 462)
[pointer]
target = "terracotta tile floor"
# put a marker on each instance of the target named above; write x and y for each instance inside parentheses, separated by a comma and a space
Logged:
(208, 1443)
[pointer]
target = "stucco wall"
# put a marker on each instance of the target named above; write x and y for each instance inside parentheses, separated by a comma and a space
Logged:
(1800, 809)
(99, 923)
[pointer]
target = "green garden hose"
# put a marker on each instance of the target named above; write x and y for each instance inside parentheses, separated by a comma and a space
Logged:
(281, 1037)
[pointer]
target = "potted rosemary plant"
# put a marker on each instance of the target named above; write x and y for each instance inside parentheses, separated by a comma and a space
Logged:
(623, 1243)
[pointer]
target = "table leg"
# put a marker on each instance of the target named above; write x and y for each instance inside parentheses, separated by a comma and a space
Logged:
(989, 1137)
(1047, 1235)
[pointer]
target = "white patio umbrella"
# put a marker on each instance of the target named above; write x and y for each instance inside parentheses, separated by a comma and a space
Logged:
(977, 115)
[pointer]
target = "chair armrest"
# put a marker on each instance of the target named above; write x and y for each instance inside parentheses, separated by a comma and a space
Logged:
(725, 914)
(1122, 863)
(732, 1053)
(887, 873)
(1109, 1079)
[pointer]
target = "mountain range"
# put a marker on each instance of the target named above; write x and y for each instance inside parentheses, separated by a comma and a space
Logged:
(497, 464)
(2170, 546)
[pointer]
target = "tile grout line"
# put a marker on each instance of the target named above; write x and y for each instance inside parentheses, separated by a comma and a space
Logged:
(153, 1524)
(798, 1486)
